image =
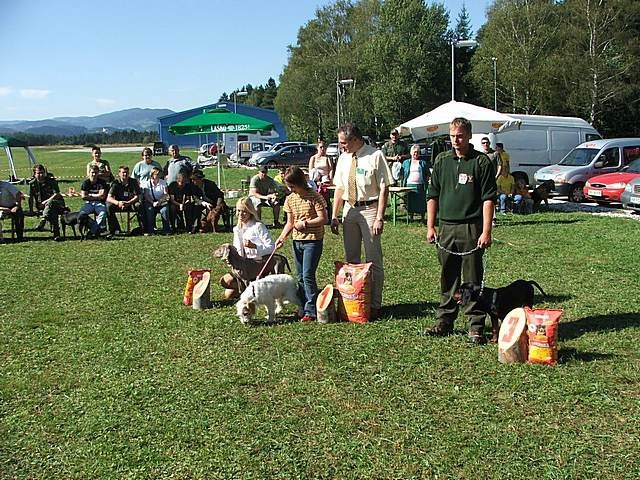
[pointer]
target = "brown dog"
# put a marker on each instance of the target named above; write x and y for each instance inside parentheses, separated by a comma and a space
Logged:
(541, 193)
(245, 270)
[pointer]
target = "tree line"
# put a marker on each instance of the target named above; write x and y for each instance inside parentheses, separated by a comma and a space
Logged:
(117, 137)
(570, 58)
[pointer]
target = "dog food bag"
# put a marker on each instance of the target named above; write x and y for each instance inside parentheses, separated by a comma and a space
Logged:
(513, 341)
(353, 281)
(193, 277)
(542, 328)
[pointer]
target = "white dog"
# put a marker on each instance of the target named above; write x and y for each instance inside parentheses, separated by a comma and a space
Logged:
(271, 292)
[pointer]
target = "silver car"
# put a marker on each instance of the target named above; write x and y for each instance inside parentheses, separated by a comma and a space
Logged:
(630, 198)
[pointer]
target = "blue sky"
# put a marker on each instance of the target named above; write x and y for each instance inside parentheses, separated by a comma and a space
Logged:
(84, 57)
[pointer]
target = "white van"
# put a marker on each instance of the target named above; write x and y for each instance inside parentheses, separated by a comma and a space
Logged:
(541, 140)
(588, 160)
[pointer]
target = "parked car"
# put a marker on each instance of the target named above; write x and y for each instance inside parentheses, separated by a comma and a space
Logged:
(290, 155)
(608, 188)
(333, 150)
(253, 159)
(588, 160)
(160, 148)
(630, 197)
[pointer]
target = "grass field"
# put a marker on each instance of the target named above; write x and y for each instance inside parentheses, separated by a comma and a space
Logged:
(105, 374)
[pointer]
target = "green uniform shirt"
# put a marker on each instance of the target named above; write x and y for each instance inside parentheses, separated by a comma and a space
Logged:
(462, 185)
(43, 191)
(392, 149)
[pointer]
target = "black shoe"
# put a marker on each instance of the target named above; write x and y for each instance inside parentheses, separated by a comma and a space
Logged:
(58, 238)
(438, 330)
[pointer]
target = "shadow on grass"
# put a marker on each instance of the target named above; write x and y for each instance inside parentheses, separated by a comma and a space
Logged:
(405, 311)
(551, 298)
(598, 323)
(567, 355)
(501, 222)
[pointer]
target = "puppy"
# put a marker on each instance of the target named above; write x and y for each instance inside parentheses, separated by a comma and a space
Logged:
(498, 302)
(541, 193)
(71, 219)
(271, 292)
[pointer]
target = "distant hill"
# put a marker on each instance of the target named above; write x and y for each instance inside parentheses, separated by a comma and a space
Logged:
(139, 119)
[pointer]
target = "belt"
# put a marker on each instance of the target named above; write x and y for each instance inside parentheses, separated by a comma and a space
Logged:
(364, 203)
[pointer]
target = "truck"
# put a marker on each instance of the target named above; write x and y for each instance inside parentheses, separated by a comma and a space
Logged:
(540, 141)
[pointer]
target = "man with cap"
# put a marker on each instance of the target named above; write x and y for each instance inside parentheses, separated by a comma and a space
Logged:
(212, 200)
(263, 191)
(395, 150)
(45, 198)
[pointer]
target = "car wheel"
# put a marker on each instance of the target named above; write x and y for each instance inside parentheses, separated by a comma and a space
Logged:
(575, 193)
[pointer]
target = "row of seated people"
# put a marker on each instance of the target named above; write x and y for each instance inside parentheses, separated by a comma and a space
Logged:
(187, 204)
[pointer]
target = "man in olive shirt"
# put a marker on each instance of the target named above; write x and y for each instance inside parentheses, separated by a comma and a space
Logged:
(462, 194)
(395, 150)
(44, 196)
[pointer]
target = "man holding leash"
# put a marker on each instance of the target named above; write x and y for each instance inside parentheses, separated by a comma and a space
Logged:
(462, 194)
(362, 181)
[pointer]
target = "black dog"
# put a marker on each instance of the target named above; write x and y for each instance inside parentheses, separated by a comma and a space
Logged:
(71, 219)
(498, 302)
(541, 193)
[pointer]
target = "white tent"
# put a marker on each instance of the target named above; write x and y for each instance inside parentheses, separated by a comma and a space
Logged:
(436, 122)
(7, 144)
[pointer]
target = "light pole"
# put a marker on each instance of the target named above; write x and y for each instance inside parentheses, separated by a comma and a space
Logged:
(459, 43)
(495, 83)
(235, 98)
(339, 84)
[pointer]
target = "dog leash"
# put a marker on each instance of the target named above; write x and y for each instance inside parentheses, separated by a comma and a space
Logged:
(464, 254)
(266, 263)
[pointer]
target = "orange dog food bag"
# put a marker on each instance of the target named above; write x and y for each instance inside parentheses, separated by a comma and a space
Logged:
(542, 329)
(193, 277)
(353, 281)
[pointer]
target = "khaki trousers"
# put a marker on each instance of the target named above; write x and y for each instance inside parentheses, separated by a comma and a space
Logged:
(357, 227)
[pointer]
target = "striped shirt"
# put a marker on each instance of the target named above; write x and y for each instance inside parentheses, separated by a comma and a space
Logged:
(307, 206)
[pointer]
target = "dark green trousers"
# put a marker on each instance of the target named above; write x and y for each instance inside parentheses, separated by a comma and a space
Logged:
(459, 238)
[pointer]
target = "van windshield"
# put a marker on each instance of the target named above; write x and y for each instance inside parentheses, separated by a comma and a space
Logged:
(579, 157)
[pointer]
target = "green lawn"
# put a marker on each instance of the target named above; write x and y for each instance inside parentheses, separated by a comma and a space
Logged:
(105, 374)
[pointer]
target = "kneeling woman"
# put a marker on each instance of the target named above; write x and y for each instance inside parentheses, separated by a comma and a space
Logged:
(306, 216)
(252, 241)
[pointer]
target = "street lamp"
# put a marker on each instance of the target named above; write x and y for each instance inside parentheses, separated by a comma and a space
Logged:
(459, 43)
(235, 95)
(495, 83)
(339, 83)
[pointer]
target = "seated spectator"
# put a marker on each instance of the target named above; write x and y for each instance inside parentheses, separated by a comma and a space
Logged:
(212, 200)
(142, 170)
(506, 189)
(264, 191)
(94, 193)
(156, 200)
(415, 174)
(124, 196)
(184, 212)
(252, 240)
(526, 204)
(104, 169)
(45, 198)
(11, 207)
(178, 164)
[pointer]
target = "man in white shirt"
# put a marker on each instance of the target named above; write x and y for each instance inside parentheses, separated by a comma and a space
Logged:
(364, 203)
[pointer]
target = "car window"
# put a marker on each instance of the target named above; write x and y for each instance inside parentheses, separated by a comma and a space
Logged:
(579, 157)
(630, 154)
(634, 167)
(610, 157)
